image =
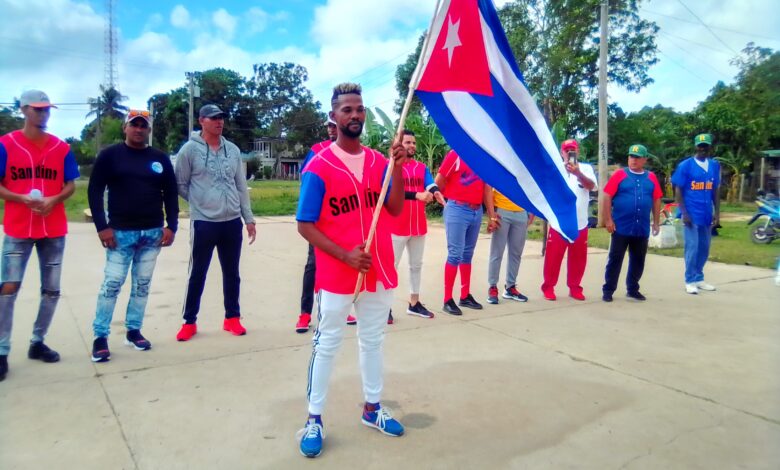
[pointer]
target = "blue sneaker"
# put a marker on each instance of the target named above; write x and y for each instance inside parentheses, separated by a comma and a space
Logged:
(311, 438)
(382, 420)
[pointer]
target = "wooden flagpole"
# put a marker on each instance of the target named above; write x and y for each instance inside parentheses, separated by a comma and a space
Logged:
(398, 135)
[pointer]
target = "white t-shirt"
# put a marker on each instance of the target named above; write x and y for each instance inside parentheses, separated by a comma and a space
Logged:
(583, 195)
(353, 162)
(704, 164)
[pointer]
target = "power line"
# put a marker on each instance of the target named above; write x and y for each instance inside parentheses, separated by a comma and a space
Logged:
(684, 20)
(708, 28)
(683, 67)
(696, 57)
(714, 49)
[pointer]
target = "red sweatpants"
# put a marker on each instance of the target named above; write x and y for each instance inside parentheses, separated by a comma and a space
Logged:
(575, 267)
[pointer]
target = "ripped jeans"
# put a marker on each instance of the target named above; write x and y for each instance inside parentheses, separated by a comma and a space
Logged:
(138, 248)
(16, 253)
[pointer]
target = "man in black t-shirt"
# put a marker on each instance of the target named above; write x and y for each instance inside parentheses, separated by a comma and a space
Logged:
(140, 181)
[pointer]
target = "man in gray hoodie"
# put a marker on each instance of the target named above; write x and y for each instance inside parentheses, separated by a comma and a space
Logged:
(210, 176)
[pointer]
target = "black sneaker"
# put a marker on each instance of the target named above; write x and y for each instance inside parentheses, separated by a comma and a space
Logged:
(606, 297)
(512, 293)
(470, 302)
(390, 319)
(41, 352)
(419, 310)
(135, 339)
(636, 296)
(3, 367)
(100, 352)
(451, 308)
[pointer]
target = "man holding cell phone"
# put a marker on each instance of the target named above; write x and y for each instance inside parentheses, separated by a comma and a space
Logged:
(37, 173)
(581, 179)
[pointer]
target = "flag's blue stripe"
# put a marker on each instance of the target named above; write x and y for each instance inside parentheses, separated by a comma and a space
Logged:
(559, 197)
(490, 15)
(519, 133)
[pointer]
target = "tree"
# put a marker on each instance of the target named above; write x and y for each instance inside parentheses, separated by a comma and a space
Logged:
(229, 90)
(9, 120)
(285, 106)
(431, 146)
(274, 102)
(108, 104)
(743, 117)
(170, 119)
(665, 132)
(403, 75)
(555, 42)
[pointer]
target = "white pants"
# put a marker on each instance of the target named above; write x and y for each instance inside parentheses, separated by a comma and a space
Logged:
(371, 310)
(416, 248)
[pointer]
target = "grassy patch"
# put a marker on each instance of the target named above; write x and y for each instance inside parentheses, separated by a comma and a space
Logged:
(274, 197)
(732, 245)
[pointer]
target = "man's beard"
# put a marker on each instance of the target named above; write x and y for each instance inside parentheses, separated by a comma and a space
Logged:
(349, 132)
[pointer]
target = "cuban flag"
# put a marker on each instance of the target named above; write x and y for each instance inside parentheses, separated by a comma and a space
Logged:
(473, 89)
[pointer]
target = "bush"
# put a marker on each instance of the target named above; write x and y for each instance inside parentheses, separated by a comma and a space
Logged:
(267, 172)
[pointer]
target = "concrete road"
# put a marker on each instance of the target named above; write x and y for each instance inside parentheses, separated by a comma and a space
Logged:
(679, 381)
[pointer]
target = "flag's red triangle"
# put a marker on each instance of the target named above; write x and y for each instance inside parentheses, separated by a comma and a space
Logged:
(458, 60)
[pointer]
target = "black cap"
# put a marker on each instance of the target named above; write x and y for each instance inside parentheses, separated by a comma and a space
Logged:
(211, 111)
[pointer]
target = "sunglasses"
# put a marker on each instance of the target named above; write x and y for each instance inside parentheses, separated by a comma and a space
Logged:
(135, 113)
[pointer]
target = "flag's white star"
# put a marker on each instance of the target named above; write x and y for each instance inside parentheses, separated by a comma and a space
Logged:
(453, 40)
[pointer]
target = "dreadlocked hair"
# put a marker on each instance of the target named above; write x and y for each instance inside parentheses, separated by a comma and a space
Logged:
(345, 89)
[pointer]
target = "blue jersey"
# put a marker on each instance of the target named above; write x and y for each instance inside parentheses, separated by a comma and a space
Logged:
(698, 188)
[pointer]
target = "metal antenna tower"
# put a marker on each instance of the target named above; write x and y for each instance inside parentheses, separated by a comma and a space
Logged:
(110, 47)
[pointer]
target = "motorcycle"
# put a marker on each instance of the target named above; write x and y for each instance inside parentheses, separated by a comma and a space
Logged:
(768, 218)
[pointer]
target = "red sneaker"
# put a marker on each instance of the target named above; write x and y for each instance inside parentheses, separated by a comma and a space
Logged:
(233, 325)
(303, 323)
(351, 320)
(549, 294)
(576, 295)
(188, 330)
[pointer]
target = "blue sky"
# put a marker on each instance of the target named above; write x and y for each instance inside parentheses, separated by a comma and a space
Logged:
(57, 46)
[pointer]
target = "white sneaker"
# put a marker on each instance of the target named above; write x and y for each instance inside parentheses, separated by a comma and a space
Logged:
(704, 286)
(691, 289)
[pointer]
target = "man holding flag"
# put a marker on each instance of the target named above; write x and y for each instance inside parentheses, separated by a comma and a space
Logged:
(340, 188)
(471, 85)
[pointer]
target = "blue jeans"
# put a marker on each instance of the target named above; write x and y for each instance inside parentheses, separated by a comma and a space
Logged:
(697, 249)
(138, 248)
(16, 253)
(461, 225)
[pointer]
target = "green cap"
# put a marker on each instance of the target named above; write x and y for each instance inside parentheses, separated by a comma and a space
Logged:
(637, 150)
(702, 139)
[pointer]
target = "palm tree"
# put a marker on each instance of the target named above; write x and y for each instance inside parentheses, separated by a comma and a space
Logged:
(108, 104)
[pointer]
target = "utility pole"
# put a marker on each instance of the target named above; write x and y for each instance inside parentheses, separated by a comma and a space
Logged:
(192, 110)
(151, 118)
(98, 132)
(194, 92)
(603, 39)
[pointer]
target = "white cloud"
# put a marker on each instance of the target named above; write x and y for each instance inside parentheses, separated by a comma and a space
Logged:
(60, 50)
(225, 22)
(257, 20)
(57, 47)
(341, 21)
(180, 17)
(155, 21)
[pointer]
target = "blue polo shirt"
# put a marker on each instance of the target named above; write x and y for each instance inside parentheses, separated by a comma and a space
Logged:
(697, 186)
(632, 201)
